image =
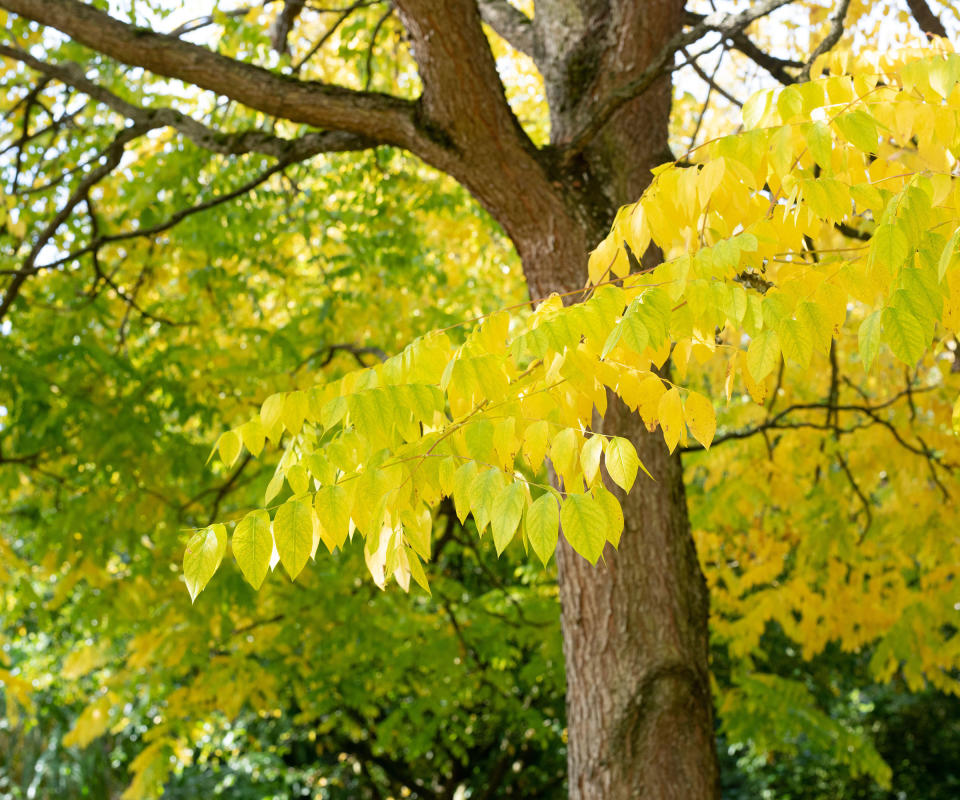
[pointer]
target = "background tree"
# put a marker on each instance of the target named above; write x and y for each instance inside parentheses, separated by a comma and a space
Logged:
(554, 203)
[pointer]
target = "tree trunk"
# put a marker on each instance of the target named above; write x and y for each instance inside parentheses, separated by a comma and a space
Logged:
(635, 627)
(639, 707)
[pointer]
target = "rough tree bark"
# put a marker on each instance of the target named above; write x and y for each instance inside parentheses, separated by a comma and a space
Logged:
(640, 712)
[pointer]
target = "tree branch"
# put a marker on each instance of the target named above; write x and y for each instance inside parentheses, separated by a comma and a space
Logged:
(829, 41)
(929, 22)
(252, 141)
(175, 218)
(114, 154)
(378, 117)
(511, 25)
(777, 67)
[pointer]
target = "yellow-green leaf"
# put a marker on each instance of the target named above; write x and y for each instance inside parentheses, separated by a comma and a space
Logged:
(613, 511)
(333, 515)
(295, 407)
(271, 410)
(590, 457)
(229, 447)
(584, 524)
(253, 546)
(868, 337)
(293, 533)
(202, 557)
(763, 354)
(506, 513)
(253, 436)
(542, 525)
(622, 462)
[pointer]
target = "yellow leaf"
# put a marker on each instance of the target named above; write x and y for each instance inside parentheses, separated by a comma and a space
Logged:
(700, 417)
(590, 457)
(670, 414)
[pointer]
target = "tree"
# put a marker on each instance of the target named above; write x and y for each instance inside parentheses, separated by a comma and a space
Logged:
(639, 709)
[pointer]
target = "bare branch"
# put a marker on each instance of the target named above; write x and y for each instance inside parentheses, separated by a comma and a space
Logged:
(284, 24)
(113, 155)
(326, 36)
(777, 67)
(331, 350)
(202, 22)
(512, 25)
(712, 85)
(97, 243)
(829, 41)
(368, 78)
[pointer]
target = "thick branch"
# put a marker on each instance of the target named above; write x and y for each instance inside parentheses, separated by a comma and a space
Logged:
(379, 117)
(462, 91)
(209, 139)
(929, 22)
(512, 25)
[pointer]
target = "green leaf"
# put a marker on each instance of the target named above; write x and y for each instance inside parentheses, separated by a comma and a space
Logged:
(253, 546)
(506, 513)
(202, 557)
(622, 462)
(542, 524)
(763, 354)
(948, 259)
(333, 515)
(293, 533)
(868, 338)
(417, 530)
(956, 416)
(479, 440)
(584, 523)
(628, 331)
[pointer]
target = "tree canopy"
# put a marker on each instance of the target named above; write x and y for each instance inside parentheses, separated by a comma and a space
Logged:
(780, 305)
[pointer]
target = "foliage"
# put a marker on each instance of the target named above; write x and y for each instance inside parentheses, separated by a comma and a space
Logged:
(830, 221)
